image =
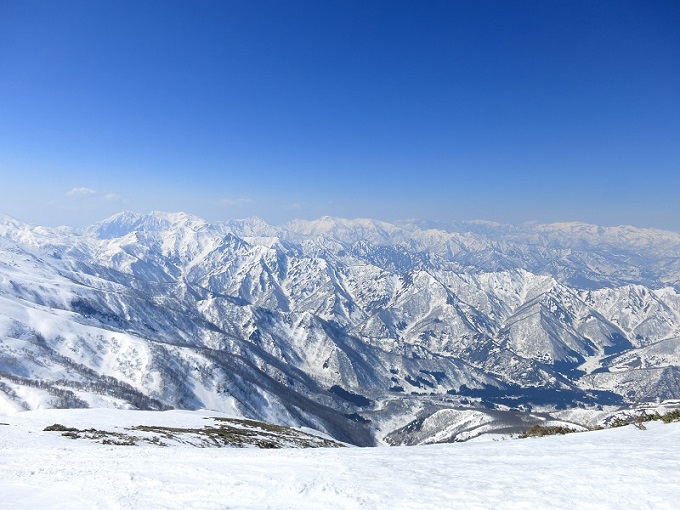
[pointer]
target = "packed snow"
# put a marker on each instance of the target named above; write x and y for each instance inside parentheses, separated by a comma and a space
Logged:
(615, 468)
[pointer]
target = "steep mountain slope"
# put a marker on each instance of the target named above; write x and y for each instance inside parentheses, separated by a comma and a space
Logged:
(333, 323)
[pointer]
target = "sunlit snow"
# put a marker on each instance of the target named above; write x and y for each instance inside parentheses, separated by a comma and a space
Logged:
(617, 468)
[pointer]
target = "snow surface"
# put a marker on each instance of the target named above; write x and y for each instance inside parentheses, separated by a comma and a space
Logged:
(617, 468)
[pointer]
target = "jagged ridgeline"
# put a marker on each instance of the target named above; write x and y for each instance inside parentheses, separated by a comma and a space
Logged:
(355, 327)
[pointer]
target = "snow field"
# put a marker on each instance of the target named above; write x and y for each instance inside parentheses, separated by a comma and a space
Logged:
(617, 468)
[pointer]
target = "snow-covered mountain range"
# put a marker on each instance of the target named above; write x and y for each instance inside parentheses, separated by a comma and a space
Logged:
(360, 328)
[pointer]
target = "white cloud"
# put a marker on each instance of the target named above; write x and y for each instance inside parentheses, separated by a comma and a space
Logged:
(296, 206)
(233, 202)
(112, 197)
(80, 192)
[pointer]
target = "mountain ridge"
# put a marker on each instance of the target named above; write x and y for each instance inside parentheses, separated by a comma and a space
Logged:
(348, 326)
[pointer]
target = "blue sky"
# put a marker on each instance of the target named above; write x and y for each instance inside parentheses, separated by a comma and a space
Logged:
(502, 110)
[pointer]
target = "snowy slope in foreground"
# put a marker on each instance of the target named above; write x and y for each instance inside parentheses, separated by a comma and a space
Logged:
(617, 468)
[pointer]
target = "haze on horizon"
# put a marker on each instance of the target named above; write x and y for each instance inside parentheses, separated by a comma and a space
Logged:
(504, 111)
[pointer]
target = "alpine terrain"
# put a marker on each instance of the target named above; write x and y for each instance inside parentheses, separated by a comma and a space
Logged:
(373, 332)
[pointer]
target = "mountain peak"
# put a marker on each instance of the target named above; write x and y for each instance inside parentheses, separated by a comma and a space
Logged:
(9, 221)
(347, 230)
(126, 222)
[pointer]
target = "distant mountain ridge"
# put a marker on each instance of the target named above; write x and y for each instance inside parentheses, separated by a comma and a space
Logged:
(355, 327)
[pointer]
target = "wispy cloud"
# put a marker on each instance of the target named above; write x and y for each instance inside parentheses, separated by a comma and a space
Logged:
(93, 196)
(233, 202)
(80, 192)
(296, 206)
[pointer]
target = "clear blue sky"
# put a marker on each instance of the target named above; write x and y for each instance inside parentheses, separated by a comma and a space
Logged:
(503, 110)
